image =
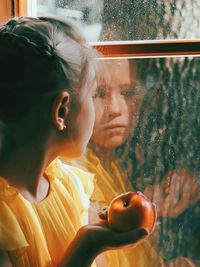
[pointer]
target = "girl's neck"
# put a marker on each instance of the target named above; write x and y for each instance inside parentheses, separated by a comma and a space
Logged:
(24, 166)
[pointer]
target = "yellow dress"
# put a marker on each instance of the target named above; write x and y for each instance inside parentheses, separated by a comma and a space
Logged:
(105, 189)
(37, 234)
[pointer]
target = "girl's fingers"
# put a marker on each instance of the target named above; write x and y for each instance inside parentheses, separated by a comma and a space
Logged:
(105, 238)
(127, 238)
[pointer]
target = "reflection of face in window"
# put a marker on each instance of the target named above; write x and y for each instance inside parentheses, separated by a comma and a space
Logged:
(116, 103)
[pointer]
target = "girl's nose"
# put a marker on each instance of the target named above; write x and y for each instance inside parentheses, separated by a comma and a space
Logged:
(114, 106)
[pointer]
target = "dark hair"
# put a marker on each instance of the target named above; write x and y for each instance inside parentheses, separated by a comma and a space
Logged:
(39, 56)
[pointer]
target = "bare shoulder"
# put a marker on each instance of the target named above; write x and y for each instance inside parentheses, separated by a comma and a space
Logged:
(4, 259)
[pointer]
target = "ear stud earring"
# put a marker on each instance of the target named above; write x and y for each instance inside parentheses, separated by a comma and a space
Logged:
(63, 127)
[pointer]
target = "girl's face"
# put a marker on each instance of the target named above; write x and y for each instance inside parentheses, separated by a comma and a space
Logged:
(116, 105)
(81, 123)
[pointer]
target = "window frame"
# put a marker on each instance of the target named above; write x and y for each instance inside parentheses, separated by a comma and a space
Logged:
(6, 10)
(114, 49)
(153, 48)
(12, 8)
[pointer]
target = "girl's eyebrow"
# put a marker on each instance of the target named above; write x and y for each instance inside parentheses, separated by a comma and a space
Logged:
(125, 84)
(102, 85)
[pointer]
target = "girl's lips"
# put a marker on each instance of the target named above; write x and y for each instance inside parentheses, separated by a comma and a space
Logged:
(113, 126)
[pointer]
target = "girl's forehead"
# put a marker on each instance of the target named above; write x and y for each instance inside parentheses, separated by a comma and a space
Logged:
(114, 72)
(118, 64)
(114, 68)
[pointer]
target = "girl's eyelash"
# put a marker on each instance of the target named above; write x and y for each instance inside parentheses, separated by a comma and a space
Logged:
(128, 92)
(101, 93)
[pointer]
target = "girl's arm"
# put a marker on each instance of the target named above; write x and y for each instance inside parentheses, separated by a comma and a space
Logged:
(91, 240)
(94, 209)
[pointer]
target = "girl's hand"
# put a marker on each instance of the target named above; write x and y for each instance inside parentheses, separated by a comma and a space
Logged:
(93, 239)
(104, 238)
(181, 190)
(113, 239)
(179, 262)
(178, 190)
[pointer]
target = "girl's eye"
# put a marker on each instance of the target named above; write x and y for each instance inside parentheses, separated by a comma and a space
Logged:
(128, 92)
(100, 93)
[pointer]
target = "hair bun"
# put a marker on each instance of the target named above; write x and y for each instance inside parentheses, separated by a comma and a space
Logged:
(8, 37)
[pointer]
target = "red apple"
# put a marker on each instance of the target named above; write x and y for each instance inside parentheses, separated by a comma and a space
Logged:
(131, 210)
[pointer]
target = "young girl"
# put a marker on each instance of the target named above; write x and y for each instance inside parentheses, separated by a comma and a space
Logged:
(46, 110)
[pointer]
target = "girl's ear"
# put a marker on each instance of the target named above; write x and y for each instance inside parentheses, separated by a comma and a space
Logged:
(60, 110)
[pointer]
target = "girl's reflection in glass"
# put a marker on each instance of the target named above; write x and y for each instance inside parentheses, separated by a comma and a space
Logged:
(117, 103)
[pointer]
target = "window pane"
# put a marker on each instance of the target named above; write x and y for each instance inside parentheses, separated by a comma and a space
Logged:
(86, 13)
(130, 19)
(146, 138)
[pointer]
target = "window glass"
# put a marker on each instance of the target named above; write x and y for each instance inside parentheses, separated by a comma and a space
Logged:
(146, 138)
(88, 14)
(130, 19)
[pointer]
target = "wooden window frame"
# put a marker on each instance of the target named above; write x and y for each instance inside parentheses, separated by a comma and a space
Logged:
(12, 8)
(119, 49)
(6, 10)
(20, 7)
(155, 48)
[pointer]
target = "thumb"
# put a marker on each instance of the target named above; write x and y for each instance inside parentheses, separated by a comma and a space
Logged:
(140, 233)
